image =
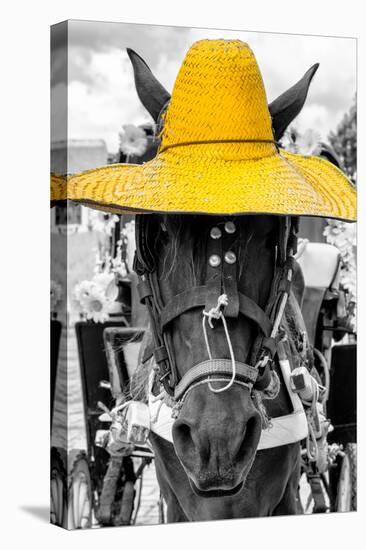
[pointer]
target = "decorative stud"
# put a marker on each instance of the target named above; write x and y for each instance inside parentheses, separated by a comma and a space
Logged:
(230, 257)
(214, 260)
(215, 233)
(230, 227)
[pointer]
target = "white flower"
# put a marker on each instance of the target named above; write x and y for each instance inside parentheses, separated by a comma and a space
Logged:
(82, 291)
(106, 282)
(94, 298)
(103, 279)
(56, 294)
(96, 307)
(91, 301)
(102, 222)
(306, 144)
(309, 143)
(132, 140)
(119, 267)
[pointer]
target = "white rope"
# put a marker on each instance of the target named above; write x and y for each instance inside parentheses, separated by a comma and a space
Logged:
(216, 313)
(311, 442)
(120, 407)
(311, 445)
(115, 410)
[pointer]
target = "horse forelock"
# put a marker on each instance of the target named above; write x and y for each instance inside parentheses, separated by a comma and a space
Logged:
(180, 243)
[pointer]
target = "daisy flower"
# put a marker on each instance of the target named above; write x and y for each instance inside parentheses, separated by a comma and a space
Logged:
(91, 301)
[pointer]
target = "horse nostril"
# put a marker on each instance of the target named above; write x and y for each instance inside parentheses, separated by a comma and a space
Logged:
(183, 429)
(183, 438)
(253, 425)
(182, 432)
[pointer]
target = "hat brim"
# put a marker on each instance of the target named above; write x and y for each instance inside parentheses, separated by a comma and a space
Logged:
(282, 183)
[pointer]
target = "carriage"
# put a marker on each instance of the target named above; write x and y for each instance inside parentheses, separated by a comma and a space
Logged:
(93, 487)
(333, 485)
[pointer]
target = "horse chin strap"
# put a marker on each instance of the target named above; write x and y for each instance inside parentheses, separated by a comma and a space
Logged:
(259, 374)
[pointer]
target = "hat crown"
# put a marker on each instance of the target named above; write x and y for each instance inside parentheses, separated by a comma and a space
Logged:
(218, 95)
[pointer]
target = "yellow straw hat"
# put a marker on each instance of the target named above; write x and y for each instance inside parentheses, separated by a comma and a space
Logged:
(218, 154)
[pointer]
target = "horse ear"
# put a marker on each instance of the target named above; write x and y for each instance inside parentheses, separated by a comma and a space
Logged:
(288, 105)
(329, 153)
(152, 94)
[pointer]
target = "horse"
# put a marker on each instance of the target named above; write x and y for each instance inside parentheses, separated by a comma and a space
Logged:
(213, 468)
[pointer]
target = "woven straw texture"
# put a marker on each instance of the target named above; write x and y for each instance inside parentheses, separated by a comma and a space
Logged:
(218, 96)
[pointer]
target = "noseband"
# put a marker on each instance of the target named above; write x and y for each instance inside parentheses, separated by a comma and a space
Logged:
(221, 280)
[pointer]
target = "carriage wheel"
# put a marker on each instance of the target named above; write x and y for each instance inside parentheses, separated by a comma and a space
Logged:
(161, 509)
(80, 495)
(347, 484)
(58, 490)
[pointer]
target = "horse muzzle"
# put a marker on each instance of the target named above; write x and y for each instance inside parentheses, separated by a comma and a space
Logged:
(216, 491)
(215, 438)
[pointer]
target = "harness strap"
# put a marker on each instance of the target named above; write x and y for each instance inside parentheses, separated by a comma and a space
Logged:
(216, 367)
(281, 284)
(144, 259)
(213, 273)
(229, 276)
(144, 290)
(196, 297)
(160, 354)
(284, 230)
(316, 490)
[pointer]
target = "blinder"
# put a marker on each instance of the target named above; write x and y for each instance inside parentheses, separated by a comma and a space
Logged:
(258, 372)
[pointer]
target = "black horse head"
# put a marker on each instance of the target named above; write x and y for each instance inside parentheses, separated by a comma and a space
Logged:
(216, 434)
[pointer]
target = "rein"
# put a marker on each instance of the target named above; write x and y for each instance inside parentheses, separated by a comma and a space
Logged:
(220, 299)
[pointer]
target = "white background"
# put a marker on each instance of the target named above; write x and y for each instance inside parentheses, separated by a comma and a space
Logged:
(24, 295)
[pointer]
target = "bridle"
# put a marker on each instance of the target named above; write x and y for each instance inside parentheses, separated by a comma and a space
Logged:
(221, 279)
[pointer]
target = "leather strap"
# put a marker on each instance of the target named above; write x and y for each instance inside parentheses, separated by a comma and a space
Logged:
(263, 379)
(230, 274)
(316, 489)
(275, 295)
(253, 311)
(213, 273)
(144, 290)
(160, 354)
(196, 297)
(144, 259)
(285, 225)
(222, 367)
